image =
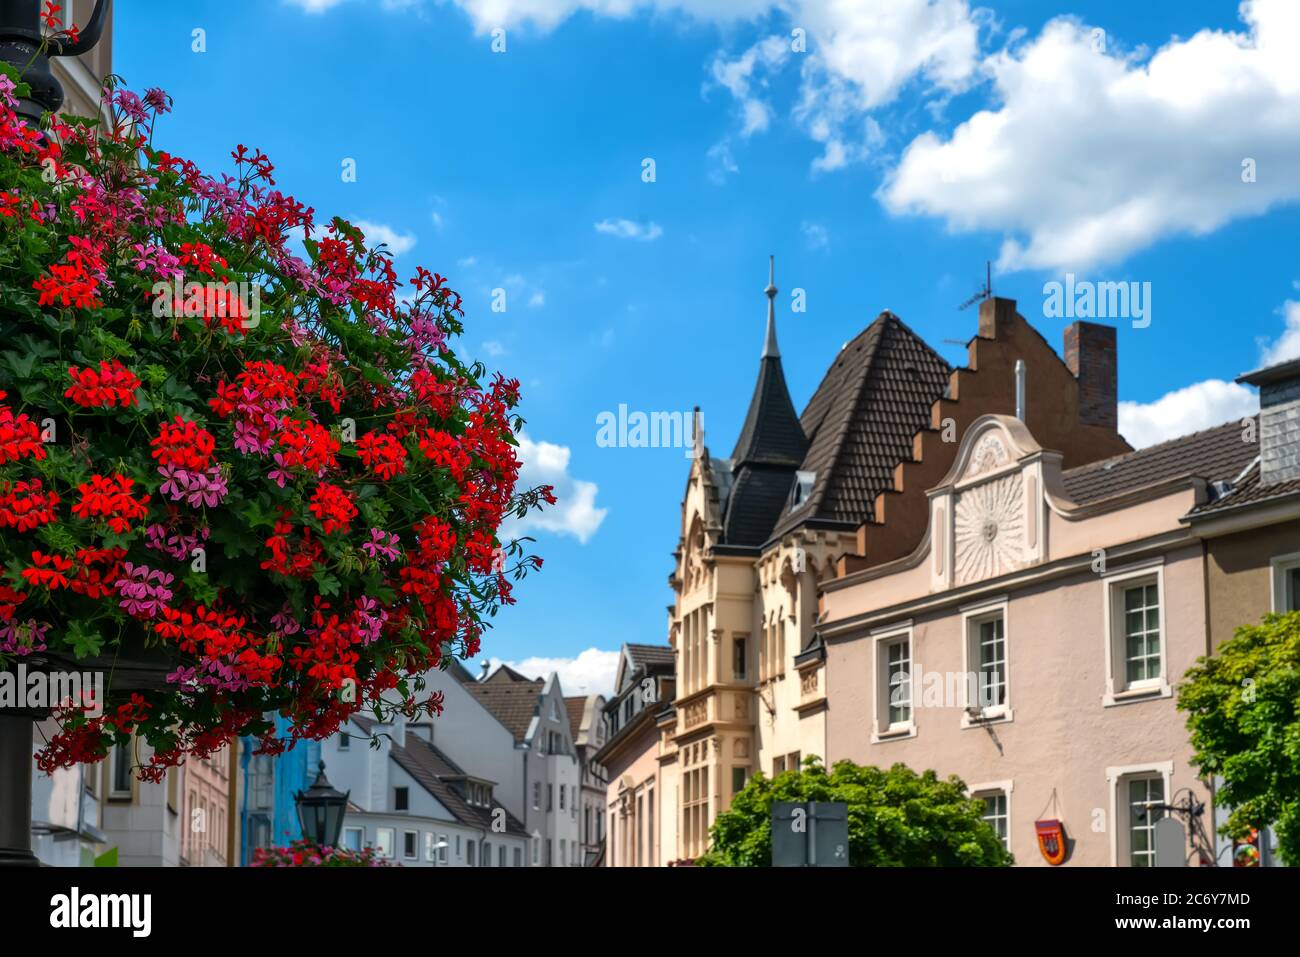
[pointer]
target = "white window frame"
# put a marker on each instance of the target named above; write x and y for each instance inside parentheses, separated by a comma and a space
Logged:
(1282, 565)
(361, 841)
(989, 788)
(972, 616)
(415, 856)
(881, 728)
(1118, 777)
(392, 842)
(118, 753)
(1118, 692)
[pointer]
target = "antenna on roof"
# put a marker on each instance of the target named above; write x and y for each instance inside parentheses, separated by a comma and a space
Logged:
(986, 292)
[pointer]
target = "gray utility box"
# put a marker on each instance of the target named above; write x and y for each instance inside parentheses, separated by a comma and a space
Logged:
(810, 834)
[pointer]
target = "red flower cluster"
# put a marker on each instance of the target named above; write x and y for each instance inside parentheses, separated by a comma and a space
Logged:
(307, 446)
(110, 498)
(333, 507)
(288, 560)
(26, 505)
(75, 281)
(49, 571)
(112, 384)
(201, 257)
(184, 444)
(19, 436)
(382, 454)
(443, 449)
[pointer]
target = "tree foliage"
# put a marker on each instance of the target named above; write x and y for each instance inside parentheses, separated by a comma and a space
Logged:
(897, 818)
(1243, 708)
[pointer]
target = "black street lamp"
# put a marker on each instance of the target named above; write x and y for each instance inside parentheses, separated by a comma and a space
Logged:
(20, 45)
(320, 810)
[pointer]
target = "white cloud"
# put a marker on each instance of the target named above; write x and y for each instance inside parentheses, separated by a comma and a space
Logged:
(377, 233)
(537, 300)
(315, 6)
(627, 229)
(591, 672)
(722, 163)
(815, 235)
(494, 349)
(1287, 345)
(469, 262)
(1094, 154)
(740, 75)
(1184, 411)
(547, 14)
(574, 512)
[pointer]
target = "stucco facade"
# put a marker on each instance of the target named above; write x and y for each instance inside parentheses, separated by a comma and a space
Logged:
(1092, 611)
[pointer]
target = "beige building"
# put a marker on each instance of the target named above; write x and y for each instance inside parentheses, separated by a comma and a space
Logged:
(806, 500)
(634, 796)
(1031, 643)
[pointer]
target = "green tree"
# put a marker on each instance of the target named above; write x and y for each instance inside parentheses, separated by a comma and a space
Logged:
(1243, 708)
(897, 818)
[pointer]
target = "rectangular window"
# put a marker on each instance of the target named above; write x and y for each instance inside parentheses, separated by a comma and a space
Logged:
(410, 844)
(650, 827)
(470, 848)
(537, 795)
(550, 797)
(345, 742)
(401, 799)
(991, 670)
(519, 857)
(562, 790)
(739, 657)
(384, 841)
(792, 761)
(778, 765)
(738, 776)
(898, 682)
(1135, 646)
(354, 838)
(120, 782)
(1141, 634)
(443, 846)
(995, 813)
(1143, 794)
(430, 846)
(1286, 583)
(501, 855)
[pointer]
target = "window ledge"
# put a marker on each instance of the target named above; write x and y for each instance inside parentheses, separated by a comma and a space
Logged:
(1000, 716)
(894, 733)
(1154, 692)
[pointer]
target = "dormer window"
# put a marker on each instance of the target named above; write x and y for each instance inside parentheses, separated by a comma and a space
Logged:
(803, 486)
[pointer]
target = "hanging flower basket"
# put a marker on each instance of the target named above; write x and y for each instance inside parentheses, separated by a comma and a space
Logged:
(241, 469)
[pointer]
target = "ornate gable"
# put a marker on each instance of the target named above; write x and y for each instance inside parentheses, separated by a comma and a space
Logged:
(988, 515)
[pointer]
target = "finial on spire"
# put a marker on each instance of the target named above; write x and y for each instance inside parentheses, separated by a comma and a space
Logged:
(769, 346)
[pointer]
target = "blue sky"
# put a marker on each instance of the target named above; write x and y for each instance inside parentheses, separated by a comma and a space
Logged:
(907, 142)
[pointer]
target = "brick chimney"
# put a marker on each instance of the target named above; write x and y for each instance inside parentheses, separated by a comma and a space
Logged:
(1279, 421)
(1091, 356)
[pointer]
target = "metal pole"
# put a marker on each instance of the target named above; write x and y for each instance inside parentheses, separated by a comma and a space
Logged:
(16, 791)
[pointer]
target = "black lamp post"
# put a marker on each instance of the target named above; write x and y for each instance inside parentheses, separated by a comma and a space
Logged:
(20, 45)
(320, 810)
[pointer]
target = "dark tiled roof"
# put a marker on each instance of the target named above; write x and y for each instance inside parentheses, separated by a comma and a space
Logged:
(860, 422)
(771, 434)
(1248, 492)
(1215, 455)
(512, 702)
(643, 655)
(757, 500)
(506, 674)
(438, 775)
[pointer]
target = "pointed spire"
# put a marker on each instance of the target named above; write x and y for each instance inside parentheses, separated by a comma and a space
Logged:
(770, 349)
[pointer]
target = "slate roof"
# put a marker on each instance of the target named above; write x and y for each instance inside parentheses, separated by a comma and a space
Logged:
(860, 422)
(1247, 492)
(1216, 455)
(648, 655)
(512, 699)
(771, 434)
(438, 775)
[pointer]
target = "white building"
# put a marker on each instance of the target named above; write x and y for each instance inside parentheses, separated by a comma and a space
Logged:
(416, 806)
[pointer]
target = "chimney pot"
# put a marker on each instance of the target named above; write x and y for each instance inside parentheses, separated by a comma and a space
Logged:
(1092, 356)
